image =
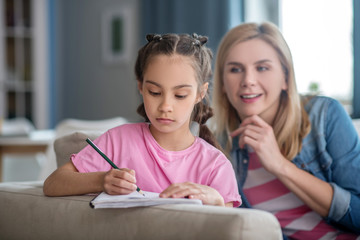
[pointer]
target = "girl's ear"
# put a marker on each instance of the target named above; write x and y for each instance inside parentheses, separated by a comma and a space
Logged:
(140, 85)
(203, 91)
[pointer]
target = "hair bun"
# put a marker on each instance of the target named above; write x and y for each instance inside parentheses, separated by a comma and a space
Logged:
(199, 40)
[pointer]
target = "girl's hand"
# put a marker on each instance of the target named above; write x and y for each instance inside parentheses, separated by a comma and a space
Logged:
(259, 135)
(119, 181)
(208, 195)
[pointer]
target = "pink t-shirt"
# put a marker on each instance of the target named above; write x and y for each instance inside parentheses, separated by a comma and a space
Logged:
(132, 146)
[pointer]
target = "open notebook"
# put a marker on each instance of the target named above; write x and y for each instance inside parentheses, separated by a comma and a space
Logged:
(135, 199)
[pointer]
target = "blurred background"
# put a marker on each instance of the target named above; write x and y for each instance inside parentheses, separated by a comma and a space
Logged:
(75, 59)
(63, 59)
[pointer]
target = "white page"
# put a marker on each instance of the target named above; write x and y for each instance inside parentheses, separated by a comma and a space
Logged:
(135, 199)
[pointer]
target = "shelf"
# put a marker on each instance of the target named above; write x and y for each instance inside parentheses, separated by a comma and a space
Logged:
(23, 66)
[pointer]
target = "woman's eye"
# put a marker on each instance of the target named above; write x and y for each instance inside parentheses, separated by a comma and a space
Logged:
(235, 70)
(262, 68)
(154, 93)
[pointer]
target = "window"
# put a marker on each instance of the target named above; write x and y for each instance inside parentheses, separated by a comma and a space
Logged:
(319, 34)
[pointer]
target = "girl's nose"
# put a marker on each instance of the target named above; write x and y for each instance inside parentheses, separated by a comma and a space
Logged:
(165, 105)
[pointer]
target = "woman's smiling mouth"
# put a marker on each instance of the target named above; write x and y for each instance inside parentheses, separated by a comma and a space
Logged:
(250, 98)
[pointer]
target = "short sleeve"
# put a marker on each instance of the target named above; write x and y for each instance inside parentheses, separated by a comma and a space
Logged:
(223, 179)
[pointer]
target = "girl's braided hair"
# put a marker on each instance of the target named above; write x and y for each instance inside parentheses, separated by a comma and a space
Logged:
(189, 46)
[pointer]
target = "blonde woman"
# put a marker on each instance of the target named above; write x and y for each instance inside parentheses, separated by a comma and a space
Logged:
(296, 157)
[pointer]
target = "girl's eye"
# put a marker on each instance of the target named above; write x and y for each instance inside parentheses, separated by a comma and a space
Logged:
(154, 93)
(180, 96)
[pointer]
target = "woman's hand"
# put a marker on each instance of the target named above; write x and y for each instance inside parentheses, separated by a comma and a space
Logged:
(259, 135)
(208, 195)
(315, 193)
(119, 181)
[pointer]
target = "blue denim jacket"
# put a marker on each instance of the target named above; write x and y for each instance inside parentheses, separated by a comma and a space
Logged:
(331, 152)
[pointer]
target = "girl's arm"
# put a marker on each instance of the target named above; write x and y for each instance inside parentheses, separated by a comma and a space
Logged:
(66, 180)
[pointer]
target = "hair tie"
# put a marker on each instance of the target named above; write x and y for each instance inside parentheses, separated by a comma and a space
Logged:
(153, 37)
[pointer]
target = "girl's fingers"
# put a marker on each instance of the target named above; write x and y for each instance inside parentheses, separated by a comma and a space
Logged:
(170, 191)
(179, 190)
(180, 193)
(131, 171)
(113, 190)
(124, 173)
(120, 181)
(208, 195)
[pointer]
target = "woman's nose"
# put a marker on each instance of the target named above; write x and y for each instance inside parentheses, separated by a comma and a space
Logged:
(248, 79)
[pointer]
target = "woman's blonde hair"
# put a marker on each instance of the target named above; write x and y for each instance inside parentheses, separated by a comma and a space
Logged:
(291, 123)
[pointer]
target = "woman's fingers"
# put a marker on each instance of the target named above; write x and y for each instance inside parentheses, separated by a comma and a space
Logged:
(251, 129)
(236, 132)
(253, 121)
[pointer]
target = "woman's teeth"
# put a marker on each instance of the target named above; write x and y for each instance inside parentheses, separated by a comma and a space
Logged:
(250, 96)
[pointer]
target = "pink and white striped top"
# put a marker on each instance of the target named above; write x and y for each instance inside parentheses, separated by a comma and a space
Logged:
(264, 191)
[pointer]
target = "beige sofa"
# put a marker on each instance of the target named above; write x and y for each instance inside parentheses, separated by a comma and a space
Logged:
(25, 213)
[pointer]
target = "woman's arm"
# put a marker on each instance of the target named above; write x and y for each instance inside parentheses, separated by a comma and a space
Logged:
(66, 180)
(315, 193)
(338, 199)
(343, 145)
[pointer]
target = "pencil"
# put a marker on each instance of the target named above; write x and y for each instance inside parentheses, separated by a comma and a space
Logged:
(108, 160)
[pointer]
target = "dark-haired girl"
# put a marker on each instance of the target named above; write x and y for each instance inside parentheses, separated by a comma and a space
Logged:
(161, 154)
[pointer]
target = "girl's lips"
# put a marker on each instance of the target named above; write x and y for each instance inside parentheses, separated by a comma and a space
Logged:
(164, 120)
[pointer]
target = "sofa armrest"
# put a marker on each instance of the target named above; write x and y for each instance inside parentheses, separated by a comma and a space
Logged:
(26, 213)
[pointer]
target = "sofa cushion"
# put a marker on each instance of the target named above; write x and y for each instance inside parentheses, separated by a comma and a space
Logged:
(69, 144)
(26, 213)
